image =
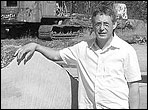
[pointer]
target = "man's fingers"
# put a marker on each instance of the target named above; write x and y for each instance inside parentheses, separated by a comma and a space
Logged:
(19, 48)
(27, 55)
(17, 52)
(20, 54)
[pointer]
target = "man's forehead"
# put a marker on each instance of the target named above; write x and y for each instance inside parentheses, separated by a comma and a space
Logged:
(102, 17)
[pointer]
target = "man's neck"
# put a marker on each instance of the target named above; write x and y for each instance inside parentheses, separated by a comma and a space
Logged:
(103, 43)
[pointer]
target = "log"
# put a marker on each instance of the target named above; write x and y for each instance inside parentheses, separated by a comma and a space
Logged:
(38, 83)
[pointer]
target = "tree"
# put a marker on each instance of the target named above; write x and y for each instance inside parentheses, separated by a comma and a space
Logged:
(135, 9)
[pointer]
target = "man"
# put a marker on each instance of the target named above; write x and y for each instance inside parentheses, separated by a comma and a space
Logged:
(107, 66)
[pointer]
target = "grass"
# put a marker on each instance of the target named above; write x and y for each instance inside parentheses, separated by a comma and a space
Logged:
(9, 46)
(23, 41)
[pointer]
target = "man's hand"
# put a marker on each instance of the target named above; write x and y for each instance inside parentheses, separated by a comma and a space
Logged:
(25, 51)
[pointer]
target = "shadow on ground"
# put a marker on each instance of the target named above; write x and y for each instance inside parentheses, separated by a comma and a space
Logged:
(144, 79)
(74, 91)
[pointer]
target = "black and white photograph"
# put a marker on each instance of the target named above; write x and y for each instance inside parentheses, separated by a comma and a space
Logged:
(73, 54)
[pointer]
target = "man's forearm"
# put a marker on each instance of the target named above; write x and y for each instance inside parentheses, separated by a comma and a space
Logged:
(134, 102)
(134, 96)
(48, 52)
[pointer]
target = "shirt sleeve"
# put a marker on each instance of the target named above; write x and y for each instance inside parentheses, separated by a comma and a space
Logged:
(70, 54)
(132, 69)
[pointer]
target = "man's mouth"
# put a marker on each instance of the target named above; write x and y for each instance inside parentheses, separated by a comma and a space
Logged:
(102, 33)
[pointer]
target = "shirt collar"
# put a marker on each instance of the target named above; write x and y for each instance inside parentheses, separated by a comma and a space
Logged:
(116, 41)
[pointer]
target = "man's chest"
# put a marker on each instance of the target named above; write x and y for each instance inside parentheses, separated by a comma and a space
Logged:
(102, 62)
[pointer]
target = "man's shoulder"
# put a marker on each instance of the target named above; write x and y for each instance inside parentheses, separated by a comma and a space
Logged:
(83, 43)
(122, 42)
(125, 45)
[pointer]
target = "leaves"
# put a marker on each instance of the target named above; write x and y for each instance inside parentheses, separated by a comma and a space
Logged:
(135, 9)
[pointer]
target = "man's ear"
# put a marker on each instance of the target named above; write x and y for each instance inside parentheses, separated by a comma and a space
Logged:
(114, 25)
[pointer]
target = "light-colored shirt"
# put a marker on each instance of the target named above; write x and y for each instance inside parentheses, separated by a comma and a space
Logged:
(103, 74)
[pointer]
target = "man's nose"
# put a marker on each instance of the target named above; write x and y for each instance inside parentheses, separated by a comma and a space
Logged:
(101, 27)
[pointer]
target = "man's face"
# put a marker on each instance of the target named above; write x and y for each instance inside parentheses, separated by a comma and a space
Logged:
(103, 26)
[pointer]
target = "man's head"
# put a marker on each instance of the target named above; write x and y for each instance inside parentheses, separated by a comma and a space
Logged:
(104, 22)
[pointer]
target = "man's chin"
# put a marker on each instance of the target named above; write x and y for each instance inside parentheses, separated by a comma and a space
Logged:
(102, 36)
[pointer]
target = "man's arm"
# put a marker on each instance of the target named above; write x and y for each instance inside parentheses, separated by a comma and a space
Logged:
(50, 53)
(27, 50)
(134, 95)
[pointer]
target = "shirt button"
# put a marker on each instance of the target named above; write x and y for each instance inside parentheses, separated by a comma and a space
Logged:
(97, 106)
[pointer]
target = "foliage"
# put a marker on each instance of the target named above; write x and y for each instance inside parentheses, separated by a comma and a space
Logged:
(135, 9)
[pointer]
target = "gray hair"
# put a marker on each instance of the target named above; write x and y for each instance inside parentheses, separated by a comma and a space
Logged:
(106, 10)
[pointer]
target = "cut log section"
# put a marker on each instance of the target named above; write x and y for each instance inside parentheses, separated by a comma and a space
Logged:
(38, 84)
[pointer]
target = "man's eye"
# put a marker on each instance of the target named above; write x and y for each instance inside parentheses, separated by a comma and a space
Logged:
(98, 24)
(106, 25)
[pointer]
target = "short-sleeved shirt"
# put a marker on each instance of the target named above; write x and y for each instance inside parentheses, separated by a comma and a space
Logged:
(103, 74)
